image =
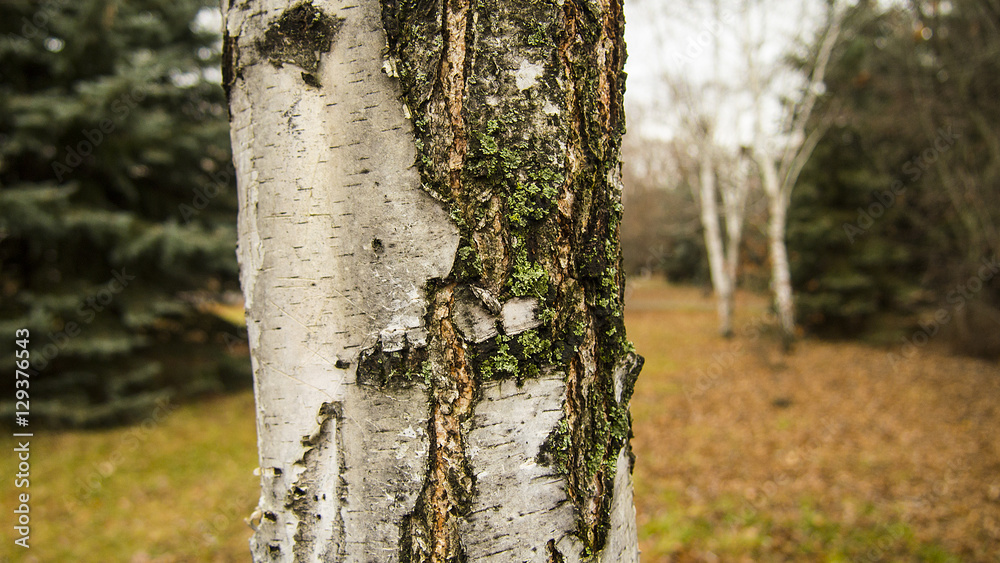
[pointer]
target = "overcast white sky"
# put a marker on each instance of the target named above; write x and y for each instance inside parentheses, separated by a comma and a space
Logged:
(677, 37)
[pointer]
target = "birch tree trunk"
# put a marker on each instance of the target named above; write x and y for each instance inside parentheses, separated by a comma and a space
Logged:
(777, 219)
(734, 206)
(781, 276)
(430, 200)
(711, 172)
(718, 268)
(780, 167)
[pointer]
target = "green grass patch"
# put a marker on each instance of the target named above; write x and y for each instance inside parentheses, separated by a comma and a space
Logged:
(173, 488)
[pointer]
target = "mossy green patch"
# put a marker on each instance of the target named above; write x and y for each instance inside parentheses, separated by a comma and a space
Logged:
(500, 364)
(529, 278)
(516, 357)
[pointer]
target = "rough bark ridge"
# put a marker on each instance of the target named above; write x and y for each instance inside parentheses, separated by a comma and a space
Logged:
(518, 112)
(430, 200)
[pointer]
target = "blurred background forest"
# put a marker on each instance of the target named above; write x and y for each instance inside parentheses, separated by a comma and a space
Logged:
(877, 124)
(897, 205)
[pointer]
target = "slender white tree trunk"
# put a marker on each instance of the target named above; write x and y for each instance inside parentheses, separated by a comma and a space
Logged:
(780, 172)
(734, 238)
(699, 122)
(722, 282)
(734, 204)
(429, 207)
(780, 271)
(781, 278)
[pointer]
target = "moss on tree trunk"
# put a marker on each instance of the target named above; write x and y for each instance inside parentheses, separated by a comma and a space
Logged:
(517, 107)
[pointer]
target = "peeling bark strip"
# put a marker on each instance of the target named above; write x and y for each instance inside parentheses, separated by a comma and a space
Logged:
(430, 259)
(431, 532)
(318, 490)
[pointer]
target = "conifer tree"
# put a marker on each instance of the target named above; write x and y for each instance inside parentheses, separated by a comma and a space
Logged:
(117, 202)
(900, 202)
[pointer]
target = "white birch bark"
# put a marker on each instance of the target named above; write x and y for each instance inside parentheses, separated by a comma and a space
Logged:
(781, 279)
(712, 175)
(735, 191)
(722, 281)
(780, 158)
(323, 173)
(337, 241)
(700, 121)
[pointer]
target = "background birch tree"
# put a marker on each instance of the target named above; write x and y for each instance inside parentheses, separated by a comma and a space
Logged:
(705, 152)
(781, 153)
(429, 215)
(720, 186)
(734, 96)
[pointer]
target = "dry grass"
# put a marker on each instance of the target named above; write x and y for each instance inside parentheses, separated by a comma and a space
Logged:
(743, 454)
(833, 453)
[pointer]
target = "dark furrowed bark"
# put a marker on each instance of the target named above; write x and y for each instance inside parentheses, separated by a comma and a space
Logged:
(519, 116)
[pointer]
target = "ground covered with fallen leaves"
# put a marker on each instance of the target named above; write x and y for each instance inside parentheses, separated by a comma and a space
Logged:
(838, 451)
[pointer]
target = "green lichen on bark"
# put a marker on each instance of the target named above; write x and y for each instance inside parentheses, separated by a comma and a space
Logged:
(526, 155)
(516, 357)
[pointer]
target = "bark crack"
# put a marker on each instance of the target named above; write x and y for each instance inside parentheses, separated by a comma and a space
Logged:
(529, 170)
(554, 555)
(430, 533)
(453, 83)
(591, 53)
